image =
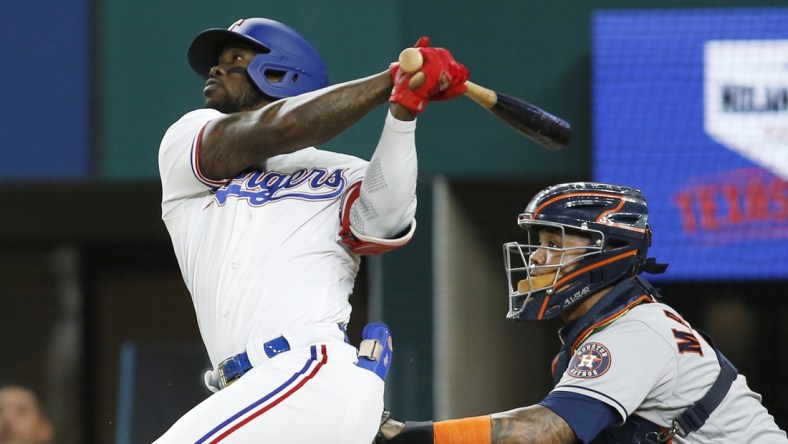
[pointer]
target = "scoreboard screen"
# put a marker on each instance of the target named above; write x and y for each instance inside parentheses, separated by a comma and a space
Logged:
(691, 107)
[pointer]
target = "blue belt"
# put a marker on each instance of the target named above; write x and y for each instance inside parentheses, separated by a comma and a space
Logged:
(234, 367)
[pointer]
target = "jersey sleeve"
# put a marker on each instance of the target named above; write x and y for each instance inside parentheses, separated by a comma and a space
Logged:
(620, 366)
(179, 158)
(585, 415)
(377, 213)
(367, 245)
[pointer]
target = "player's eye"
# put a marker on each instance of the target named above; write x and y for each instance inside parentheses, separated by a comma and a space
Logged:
(232, 57)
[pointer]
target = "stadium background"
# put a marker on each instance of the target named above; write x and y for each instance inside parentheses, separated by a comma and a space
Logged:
(94, 313)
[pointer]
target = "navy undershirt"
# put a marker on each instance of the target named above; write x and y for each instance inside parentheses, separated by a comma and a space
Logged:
(586, 416)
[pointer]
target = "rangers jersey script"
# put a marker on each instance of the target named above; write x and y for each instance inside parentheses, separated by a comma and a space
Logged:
(651, 363)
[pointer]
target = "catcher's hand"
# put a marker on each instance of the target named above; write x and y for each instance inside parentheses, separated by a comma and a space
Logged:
(389, 429)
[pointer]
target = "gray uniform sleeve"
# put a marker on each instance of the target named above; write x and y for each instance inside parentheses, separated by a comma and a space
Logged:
(625, 365)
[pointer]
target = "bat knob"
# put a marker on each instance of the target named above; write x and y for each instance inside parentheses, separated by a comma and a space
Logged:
(410, 60)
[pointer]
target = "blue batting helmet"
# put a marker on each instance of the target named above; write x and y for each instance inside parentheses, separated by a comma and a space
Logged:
(614, 219)
(283, 53)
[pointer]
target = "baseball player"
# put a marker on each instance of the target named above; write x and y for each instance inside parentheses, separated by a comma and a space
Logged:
(22, 418)
(268, 229)
(630, 369)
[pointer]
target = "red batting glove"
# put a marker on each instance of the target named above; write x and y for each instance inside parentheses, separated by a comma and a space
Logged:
(422, 42)
(450, 74)
(413, 101)
(444, 79)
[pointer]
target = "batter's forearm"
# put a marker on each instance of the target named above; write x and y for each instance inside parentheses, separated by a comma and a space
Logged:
(317, 117)
(241, 140)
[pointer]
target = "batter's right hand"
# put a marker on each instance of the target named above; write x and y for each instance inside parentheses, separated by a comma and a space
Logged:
(450, 75)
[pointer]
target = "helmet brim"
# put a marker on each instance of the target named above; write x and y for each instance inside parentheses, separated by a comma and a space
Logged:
(205, 48)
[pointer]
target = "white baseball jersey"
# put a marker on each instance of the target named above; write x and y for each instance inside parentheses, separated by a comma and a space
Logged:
(262, 256)
(651, 363)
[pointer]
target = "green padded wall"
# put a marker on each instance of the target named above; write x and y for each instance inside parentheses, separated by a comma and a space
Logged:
(147, 84)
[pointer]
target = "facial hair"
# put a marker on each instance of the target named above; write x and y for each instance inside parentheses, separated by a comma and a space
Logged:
(250, 99)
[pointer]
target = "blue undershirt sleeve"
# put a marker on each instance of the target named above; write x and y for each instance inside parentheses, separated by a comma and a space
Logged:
(586, 416)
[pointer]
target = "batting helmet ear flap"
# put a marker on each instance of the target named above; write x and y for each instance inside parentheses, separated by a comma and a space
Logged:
(284, 78)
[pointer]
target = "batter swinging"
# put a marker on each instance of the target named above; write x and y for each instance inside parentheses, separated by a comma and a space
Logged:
(268, 230)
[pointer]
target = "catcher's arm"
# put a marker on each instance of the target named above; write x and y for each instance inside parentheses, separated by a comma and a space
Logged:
(527, 424)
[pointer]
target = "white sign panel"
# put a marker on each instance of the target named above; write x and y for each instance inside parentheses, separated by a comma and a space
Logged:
(746, 99)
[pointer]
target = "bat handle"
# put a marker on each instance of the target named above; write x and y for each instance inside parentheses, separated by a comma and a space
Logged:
(410, 60)
(531, 121)
(481, 95)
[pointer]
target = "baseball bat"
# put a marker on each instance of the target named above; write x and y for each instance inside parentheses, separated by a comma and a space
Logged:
(527, 119)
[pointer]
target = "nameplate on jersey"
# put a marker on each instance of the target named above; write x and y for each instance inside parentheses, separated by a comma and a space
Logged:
(260, 187)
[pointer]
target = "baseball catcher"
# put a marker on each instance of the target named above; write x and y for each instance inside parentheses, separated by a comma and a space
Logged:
(631, 369)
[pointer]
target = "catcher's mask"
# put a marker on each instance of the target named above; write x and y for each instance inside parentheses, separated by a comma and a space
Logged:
(613, 219)
(284, 54)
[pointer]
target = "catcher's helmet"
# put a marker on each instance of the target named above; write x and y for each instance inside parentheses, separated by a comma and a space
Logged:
(613, 217)
(282, 51)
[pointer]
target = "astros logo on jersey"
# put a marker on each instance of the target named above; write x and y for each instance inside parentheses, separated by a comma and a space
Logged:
(590, 361)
